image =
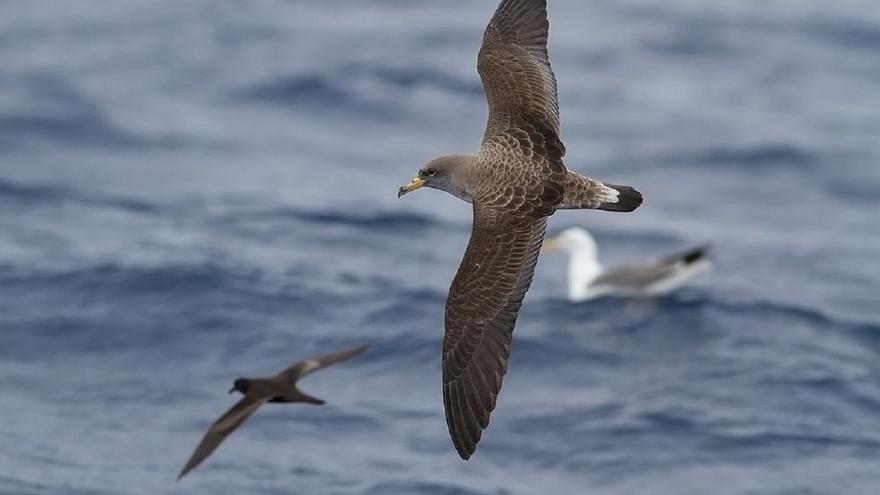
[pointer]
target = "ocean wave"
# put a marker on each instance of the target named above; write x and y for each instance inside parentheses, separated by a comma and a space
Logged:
(110, 307)
(693, 300)
(693, 40)
(64, 130)
(57, 113)
(768, 439)
(743, 158)
(316, 93)
(17, 194)
(811, 315)
(757, 156)
(359, 218)
(409, 487)
(859, 34)
(407, 78)
(355, 89)
(167, 280)
(10, 484)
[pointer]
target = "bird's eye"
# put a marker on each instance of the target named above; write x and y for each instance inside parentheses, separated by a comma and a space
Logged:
(430, 172)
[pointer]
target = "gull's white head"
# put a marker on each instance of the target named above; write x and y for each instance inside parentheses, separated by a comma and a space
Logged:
(574, 240)
(583, 260)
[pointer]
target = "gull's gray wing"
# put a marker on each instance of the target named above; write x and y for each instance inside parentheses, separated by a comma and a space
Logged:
(481, 311)
(218, 432)
(642, 276)
(636, 277)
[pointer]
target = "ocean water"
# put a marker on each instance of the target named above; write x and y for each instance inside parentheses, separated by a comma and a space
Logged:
(196, 191)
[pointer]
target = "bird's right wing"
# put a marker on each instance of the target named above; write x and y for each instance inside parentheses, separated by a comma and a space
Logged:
(481, 311)
(218, 432)
(292, 374)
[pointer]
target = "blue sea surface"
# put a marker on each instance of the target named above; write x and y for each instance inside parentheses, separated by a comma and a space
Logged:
(196, 191)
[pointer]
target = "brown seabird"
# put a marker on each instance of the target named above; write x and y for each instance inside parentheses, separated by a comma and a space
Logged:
(588, 280)
(257, 391)
(515, 181)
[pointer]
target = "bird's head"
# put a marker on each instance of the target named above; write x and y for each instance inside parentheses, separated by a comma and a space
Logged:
(241, 385)
(441, 173)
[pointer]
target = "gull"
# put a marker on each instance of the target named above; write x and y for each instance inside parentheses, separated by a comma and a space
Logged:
(587, 279)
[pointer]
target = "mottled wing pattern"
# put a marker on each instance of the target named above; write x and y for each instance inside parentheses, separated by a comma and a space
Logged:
(515, 69)
(218, 432)
(584, 192)
(292, 374)
(481, 311)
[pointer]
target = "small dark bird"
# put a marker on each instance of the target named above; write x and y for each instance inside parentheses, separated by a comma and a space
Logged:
(257, 391)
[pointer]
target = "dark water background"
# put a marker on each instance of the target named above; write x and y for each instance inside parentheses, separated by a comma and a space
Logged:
(194, 191)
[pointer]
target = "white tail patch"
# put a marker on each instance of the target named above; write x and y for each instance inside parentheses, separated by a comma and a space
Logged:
(611, 195)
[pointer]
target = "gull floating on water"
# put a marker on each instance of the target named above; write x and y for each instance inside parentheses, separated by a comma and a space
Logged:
(515, 181)
(280, 388)
(587, 279)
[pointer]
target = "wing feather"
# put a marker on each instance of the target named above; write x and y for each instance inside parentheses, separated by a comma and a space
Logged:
(515, 69)
(226, 424)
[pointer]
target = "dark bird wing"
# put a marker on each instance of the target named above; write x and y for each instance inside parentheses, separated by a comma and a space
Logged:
(218, 432)
(515, 69)
(481, 312)
(294, 373)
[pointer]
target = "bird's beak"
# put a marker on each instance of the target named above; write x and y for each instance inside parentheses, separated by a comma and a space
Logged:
(231, 390)
(550, 245)
(412, 186)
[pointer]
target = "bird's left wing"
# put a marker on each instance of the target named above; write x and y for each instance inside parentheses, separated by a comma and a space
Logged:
(232, 419)
(481, 311)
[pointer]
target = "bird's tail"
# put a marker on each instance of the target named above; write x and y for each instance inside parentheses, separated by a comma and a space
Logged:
(628, 199)
(298, 396)
(582, 192)
(308, 399)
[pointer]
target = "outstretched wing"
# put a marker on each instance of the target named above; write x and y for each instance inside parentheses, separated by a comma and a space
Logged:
(481, 312)
(218, 432)
(515, 69)
(294, 373)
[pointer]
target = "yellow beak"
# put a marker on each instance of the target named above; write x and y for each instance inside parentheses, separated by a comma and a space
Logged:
(412, 186)
(550, 245)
